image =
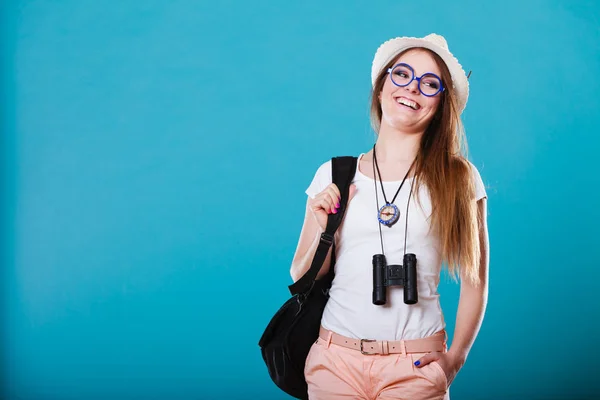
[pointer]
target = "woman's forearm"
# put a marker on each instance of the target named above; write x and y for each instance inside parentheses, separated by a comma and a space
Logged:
(471, 309)
(302, 262)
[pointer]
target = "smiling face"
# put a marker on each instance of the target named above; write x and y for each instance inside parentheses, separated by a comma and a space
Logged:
(406, 108)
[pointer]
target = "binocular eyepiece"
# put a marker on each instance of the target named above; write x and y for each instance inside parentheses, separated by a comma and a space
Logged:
(394, 275)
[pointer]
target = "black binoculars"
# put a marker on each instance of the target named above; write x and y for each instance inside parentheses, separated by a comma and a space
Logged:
(394, 275)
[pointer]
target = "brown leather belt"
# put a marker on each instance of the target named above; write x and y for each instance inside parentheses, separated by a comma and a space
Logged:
(436, 342)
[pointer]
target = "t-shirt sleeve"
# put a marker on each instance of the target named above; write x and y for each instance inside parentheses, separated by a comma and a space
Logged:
(320, 181)
(480, 192)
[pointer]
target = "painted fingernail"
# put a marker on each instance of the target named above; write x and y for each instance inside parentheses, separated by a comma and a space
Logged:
(417, 363)
(335, 211)
(337, 205)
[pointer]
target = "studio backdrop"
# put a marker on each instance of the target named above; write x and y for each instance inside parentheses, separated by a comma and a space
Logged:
(155, 158)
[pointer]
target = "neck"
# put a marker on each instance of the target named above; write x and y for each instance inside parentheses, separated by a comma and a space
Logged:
(396, 146)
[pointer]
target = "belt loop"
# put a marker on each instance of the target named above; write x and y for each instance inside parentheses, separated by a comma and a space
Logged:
(385, 349)
(403, 348)
(445, 345)
(328, 341)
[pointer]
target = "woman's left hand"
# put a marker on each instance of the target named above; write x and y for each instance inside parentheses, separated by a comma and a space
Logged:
(450, 364)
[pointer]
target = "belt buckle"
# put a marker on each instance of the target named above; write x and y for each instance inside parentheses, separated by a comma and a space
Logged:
(361, 346)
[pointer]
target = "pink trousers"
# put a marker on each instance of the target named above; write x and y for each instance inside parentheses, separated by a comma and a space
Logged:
(336, 372)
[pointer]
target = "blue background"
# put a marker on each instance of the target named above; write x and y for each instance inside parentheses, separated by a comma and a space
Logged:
(155, 157)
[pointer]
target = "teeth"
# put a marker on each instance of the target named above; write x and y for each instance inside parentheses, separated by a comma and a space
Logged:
(406, 102)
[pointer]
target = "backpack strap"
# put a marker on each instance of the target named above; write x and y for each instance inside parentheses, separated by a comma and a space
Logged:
(342, 174)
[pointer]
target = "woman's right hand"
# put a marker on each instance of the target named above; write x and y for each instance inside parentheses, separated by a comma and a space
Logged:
(327, 202)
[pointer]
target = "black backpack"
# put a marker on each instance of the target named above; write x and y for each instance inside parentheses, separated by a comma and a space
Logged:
(291, 332)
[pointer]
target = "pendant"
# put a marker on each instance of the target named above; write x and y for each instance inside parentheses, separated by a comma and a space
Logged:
(388, 215)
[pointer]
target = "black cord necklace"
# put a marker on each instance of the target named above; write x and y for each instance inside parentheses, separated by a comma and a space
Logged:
(389, 213)
(407, 207)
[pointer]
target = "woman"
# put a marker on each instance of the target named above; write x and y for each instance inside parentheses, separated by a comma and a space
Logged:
(415, 193)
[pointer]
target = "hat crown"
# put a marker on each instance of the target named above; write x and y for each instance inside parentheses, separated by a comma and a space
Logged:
(437, 39)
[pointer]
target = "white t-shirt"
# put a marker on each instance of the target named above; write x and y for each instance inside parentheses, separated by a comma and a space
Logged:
(350, 310)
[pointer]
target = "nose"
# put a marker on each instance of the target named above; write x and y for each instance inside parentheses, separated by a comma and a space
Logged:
(413, 87)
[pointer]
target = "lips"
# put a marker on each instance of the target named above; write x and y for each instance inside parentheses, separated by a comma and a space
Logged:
(406, 102)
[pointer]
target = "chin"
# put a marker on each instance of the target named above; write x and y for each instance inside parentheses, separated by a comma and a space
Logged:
(406, 124)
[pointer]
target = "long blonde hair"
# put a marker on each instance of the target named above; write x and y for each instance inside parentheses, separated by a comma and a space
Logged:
(443, 167)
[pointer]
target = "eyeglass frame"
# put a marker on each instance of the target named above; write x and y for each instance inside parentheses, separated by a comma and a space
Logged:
(418, 78)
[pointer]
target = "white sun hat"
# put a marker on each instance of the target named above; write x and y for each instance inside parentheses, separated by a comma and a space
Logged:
(434, 42)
